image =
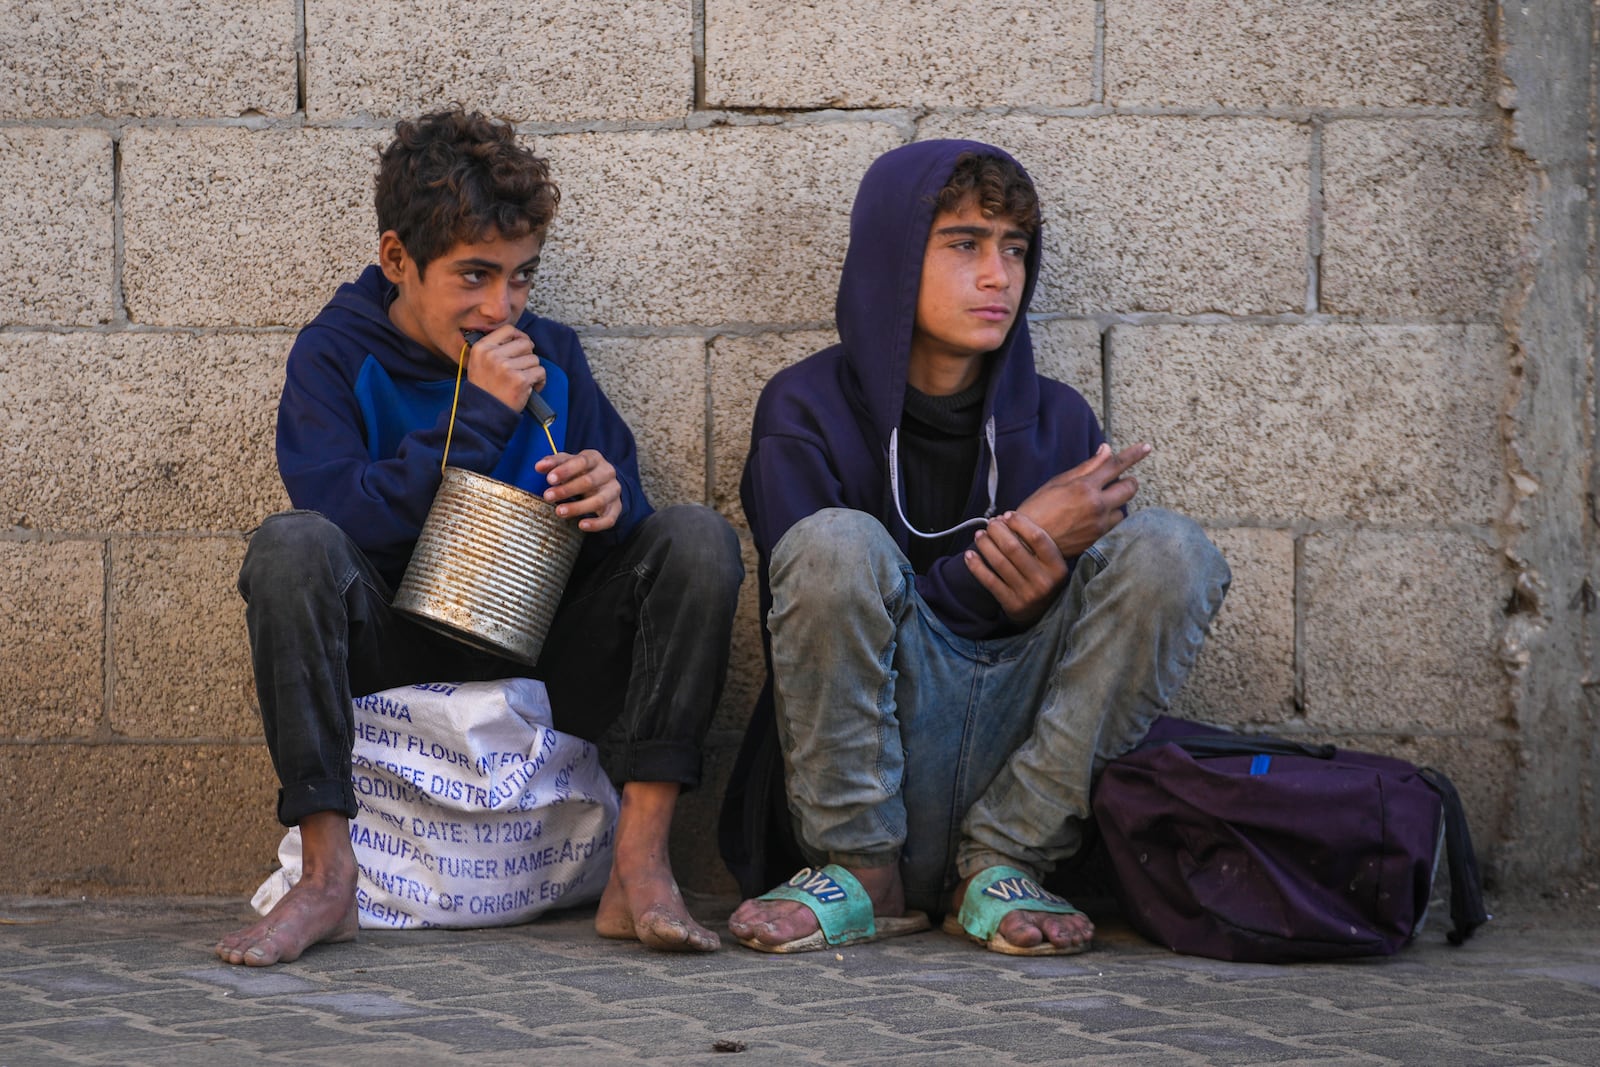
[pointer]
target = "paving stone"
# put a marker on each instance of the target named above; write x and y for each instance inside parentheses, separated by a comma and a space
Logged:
(465, 1035)
(249, 982)
(1421, 217)
(57, 265)
(195, 59)
(1161, 214)
(612, 60)
(91, 1031)
(832, 53)
(1421, 1046)
(1319, 53)
(172, 1006)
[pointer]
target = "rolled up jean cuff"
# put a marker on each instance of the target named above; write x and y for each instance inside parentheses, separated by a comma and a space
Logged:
(969, 863)
(653, 761)
(297, 801)
(857, 861)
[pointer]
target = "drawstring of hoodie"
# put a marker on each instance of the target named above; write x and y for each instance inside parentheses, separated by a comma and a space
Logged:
(994, 483)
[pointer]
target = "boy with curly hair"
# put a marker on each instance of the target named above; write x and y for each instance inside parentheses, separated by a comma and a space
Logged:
(463, 211)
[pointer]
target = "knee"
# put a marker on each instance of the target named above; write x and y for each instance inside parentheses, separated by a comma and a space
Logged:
(287, 549)
(699, 547)
(835, 537)
(835, 549)
(1173, 551)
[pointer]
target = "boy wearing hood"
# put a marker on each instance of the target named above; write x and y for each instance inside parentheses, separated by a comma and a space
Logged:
(963, 623)
(638, 649)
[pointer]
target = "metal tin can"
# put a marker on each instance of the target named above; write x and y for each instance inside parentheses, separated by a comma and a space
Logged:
(490, 566)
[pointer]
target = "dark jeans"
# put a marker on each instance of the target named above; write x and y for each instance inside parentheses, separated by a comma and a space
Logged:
(634, 661)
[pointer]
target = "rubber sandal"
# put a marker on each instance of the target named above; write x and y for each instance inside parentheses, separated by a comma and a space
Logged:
(843, 910)
(994, 893)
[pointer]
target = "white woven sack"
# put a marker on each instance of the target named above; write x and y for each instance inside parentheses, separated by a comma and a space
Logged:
(473, 810)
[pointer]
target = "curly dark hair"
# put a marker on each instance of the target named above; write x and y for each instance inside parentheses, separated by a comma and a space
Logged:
(454, 176)
(997, 185)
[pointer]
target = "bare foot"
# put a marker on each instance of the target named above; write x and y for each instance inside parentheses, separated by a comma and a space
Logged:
(650, 909)
(641, 899)
(777, 922)
(320, 908)
(1027, 929)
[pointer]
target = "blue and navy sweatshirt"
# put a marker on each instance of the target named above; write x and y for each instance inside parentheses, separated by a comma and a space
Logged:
(821, 436)
(365, 411)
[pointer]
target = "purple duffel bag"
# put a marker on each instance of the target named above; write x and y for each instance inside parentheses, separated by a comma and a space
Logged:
(1260, 849)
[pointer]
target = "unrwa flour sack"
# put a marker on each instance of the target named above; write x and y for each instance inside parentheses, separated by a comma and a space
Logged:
(473, 811)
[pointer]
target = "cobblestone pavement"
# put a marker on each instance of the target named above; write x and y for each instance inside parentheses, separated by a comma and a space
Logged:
(132, 982)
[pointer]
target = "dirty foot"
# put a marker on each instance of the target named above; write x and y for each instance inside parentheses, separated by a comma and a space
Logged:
(312, 913)
(779, 922)
(650, 909)
(1031, 929)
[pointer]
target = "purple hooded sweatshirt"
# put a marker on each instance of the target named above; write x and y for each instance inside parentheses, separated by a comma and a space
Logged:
(821, 435)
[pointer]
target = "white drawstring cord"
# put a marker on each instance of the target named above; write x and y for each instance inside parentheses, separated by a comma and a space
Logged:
(994, 483)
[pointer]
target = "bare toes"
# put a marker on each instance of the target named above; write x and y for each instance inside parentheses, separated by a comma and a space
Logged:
(662, 930)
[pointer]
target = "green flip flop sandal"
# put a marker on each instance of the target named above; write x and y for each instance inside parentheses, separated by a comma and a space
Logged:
(843, 909)
(995, 892)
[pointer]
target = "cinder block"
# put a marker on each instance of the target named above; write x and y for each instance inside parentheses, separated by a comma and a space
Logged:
(1068, 350)
(53, 633)
(544, 62)
(747, 668)
(1245, 674)
(201, 58)
(658, 386)
(138, 819)
(1376, 423)
(178, 641)
(140, 431)
(1422, 216)
(1321, 53)
(953, 53)
(1401, 630)
(57, 262)
(740, 367)
(235, 227)
(1162, 214)
(729, 224)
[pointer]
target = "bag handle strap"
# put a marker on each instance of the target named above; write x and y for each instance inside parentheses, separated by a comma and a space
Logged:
(1203, 745)
(1467, 912)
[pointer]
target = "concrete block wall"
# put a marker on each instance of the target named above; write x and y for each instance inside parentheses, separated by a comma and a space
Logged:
(1281, 245)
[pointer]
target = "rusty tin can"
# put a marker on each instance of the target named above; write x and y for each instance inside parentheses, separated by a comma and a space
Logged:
(490, 566)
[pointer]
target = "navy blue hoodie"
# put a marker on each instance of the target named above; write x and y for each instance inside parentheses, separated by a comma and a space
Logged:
(822, 426)
(365, 411)
(820, 439)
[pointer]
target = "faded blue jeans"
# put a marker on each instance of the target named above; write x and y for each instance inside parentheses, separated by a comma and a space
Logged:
(903, 741)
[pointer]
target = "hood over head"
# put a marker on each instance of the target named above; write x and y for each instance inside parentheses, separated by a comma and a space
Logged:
(876, 309)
